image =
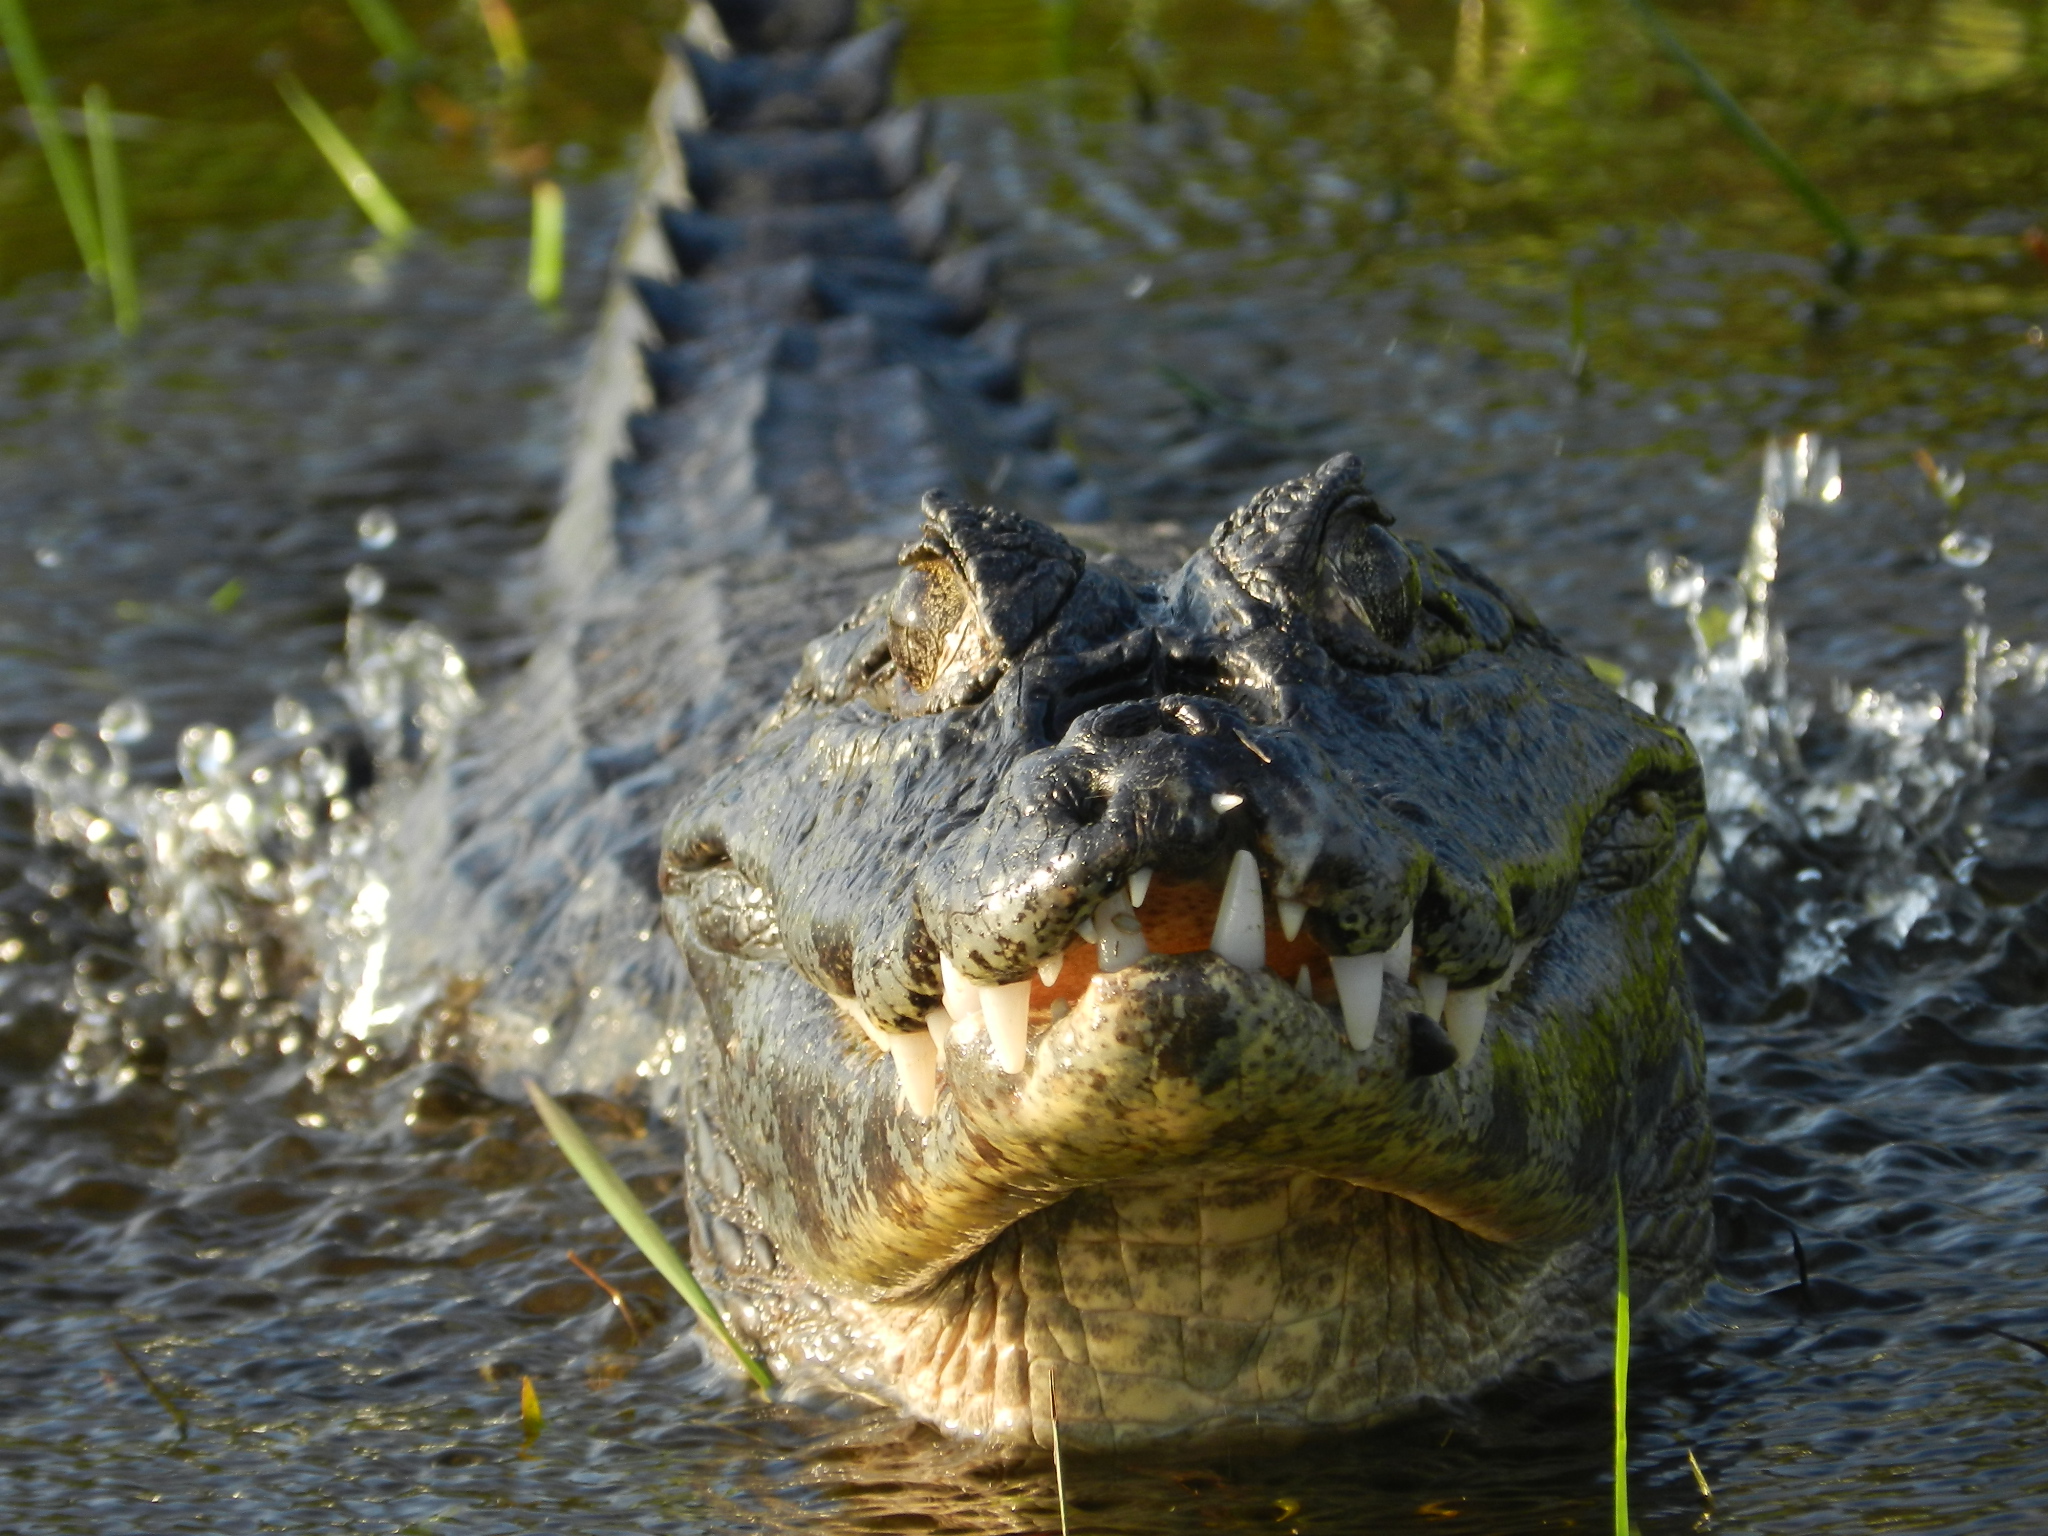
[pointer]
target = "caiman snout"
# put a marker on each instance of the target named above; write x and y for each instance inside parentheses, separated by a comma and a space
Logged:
(1177, 826)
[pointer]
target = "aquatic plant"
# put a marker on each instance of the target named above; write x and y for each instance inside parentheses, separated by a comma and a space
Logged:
(387, 29)
(26, 60)
(508, 43)
(117, 249)
(531, 1420)
(544, 265)
(626, 1209)
(1849, 250)
(1621, 1321)
(1059, 1461)
(363, 184)
(150, 1384)
(618, 1297)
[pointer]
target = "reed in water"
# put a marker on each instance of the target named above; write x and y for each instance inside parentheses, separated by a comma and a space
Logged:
(363, 183)
(118, 248)
(26, 60)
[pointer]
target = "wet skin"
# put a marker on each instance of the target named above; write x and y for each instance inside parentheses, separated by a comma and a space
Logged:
(1321, 1115)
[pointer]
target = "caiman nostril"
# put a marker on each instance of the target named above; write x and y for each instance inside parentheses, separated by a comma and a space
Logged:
(1127, 722)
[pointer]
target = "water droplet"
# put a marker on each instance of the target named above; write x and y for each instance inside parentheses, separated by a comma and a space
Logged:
(1965, 548)
(1675, 581)
(125, 721)
(290, 717)
(377, 528)
(365, 585)
(204, 752)
(49, 557)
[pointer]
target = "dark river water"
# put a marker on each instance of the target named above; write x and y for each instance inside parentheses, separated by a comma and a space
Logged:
(1503, 249)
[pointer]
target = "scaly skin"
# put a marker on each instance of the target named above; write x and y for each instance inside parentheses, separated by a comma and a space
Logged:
(1198, 1208)
(1171, 1197)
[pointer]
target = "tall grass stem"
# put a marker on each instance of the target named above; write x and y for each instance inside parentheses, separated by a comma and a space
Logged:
(508, 43)
(387, 29)
(632, 1217)
(1059, 1462)
(26, 60)
(1621, 1525)
(164, 1400)
(363, 184)
(113, 208)
(550, 227)
(531, 1420)
(1849, 250)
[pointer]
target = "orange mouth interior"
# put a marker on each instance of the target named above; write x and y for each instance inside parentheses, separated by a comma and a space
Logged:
(1179, 917)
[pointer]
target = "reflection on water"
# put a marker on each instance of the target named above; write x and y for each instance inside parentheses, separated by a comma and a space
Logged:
(1496, 247)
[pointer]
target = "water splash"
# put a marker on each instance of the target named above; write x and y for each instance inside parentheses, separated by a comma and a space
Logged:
(256, 885)
(1867, 784)
(260, 885)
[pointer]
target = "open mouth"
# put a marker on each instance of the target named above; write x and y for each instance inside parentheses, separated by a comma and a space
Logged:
(1237, 921)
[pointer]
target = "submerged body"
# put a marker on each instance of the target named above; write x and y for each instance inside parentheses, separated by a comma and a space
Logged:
(1194, 1001)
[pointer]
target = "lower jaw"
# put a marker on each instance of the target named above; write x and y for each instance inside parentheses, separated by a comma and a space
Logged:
(1260, 1305)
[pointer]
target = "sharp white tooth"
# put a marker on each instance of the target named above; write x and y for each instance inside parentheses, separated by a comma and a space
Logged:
(1516, 961)
(1304, 984)
(1006, 1010)
(1401, 954)
(940, 1023)
(1359, 978)
(1141, 882)
(1050, 967)
(1291, 914)
(1085, 929)
(1465, 1019)
(1240, 933)
(1121, 940)
(1057, 1011)
(1224, 804)
(879, 1037)
(917, 1070)
(1434, 990)
(962, 998)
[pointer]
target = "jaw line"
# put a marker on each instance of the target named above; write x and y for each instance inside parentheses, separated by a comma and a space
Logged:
(1245, 1076)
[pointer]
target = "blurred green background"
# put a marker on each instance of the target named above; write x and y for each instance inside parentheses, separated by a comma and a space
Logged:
(1515, 115)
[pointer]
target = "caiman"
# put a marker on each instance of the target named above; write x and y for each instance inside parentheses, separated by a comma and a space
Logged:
(1221, 1000)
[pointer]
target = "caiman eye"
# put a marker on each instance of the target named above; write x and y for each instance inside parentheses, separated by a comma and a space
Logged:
(1632, 838)
(975, 591)
(1369, 588)
(928, 622)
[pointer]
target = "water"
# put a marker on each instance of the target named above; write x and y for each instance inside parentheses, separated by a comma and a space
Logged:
(1496, 249)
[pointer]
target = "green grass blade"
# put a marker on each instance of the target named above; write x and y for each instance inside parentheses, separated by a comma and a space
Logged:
(632, 1217)
(550, 228)
(531, 1420)
(164, 1399)
(26, 60)
(1059, 1462)
(1621, 1525)
(363, 184)
(106, 180)
(508, 43)
(388, 31)
(1746, 127)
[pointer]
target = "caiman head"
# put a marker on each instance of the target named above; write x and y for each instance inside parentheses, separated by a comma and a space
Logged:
(1232, 1003)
